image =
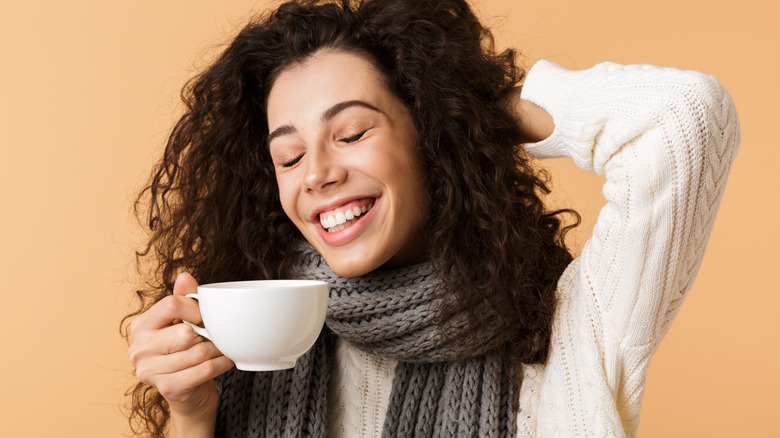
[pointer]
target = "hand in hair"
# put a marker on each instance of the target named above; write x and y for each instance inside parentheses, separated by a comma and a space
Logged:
(181, 365)
(535, 122)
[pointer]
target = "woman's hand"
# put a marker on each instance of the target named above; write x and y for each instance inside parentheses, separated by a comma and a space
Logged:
(171, 357)
(534, 121)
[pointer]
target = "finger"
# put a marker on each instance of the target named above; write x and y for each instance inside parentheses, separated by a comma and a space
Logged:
(185, 284)
(152, 344)
(165, 312)
(173, 385)
(181, 360)
(168, 340)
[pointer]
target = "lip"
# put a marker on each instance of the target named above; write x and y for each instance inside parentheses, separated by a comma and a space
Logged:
(348, 234)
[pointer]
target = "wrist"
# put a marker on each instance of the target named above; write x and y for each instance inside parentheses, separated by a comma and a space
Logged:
(200, 426)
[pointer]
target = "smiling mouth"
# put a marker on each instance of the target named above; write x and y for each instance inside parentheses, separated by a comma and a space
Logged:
(346, 215)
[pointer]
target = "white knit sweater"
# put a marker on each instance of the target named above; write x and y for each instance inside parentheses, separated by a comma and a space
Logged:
(664, 139)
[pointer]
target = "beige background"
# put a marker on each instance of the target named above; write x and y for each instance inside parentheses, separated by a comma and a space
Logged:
(89, 89)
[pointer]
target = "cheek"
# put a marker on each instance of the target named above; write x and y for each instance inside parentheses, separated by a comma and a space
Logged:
(288, 197)
(419, 203)
(410, 179)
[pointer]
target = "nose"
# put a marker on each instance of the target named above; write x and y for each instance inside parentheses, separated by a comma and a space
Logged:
(324, 170)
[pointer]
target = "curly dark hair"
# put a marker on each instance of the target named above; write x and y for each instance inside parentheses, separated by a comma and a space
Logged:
(212, 206)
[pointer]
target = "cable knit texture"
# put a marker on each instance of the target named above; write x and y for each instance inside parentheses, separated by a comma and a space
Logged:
(393, 314)
(665, 140)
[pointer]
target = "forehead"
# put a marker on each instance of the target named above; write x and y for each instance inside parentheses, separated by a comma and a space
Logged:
(327, 77)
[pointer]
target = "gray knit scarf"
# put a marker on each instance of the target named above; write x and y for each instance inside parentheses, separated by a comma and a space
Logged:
(387, 313)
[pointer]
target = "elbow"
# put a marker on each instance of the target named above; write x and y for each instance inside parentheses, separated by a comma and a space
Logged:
(708, 100)
(705, 113)
(705, 134)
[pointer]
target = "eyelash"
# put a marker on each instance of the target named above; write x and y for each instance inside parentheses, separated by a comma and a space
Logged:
(292, 163)
(352, 139)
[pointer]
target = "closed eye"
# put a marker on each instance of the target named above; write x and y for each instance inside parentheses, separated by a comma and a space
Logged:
(292, 163)
(353, 138)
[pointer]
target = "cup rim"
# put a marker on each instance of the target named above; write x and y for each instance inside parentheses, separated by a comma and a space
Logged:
(262, 284)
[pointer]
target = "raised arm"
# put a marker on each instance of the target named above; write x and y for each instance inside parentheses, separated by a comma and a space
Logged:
(665, 140)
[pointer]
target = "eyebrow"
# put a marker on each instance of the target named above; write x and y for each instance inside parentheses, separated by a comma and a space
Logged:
(326, 115)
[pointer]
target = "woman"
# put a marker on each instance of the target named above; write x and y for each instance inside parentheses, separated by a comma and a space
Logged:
(379, 145)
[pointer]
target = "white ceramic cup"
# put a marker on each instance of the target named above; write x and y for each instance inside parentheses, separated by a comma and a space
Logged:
(262, 325)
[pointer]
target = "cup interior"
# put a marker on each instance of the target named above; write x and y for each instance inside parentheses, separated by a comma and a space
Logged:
(261, 284)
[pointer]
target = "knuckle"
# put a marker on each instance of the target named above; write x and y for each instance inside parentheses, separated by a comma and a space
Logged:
(201, 351)
(208, 368)
(144, 375)
(171, 305)
(137, 352)
(185, 335)
(133, 353)
(134, 327)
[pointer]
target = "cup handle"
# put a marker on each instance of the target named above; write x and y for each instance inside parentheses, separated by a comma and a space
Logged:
(199, 330)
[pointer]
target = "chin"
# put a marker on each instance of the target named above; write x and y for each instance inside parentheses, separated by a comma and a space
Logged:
(351, 266)
(351, 269)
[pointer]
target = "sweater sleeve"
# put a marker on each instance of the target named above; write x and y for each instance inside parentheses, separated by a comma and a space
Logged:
(665, 140)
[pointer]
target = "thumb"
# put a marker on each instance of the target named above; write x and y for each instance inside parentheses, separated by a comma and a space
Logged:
(185, 284)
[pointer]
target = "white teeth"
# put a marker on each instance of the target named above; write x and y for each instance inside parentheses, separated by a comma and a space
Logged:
(340, 227)
(343, 220)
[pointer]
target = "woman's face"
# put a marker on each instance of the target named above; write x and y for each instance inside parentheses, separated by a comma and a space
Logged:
(343, 147)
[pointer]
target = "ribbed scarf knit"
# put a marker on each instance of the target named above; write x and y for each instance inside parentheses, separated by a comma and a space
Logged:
(387, 313)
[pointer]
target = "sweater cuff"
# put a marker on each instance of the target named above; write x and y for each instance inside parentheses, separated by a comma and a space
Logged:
(551, 86)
